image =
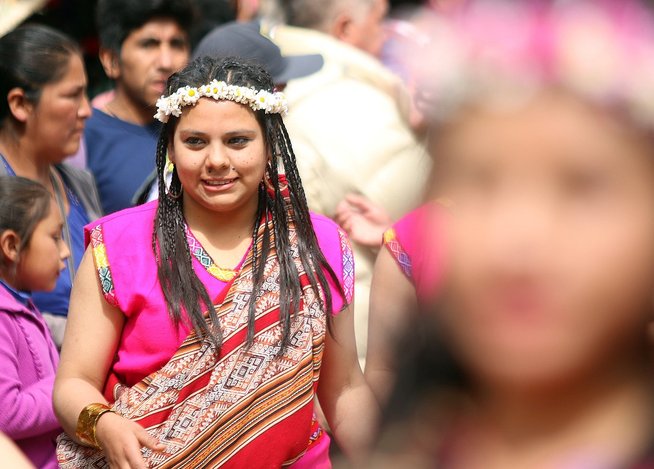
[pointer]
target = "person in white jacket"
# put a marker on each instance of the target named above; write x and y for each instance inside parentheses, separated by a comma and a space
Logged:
(350, 121)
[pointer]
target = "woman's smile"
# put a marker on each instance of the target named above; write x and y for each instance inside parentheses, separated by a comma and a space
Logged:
(219, 185)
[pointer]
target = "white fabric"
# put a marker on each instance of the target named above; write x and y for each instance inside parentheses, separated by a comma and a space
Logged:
(349, 128)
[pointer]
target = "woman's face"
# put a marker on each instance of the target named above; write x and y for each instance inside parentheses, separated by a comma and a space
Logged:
(43, 259)
(220, 155)
(57, 121)
(551, 239)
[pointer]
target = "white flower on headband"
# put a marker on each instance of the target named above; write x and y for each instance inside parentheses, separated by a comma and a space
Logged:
(261, 100)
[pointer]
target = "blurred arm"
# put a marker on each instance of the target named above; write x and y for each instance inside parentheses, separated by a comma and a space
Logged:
(392, 303)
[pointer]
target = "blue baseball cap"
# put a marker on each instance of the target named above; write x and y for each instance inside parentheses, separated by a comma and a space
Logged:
(244, 40)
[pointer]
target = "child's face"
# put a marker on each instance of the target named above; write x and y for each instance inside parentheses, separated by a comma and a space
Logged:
(43, 259)
(551, 252)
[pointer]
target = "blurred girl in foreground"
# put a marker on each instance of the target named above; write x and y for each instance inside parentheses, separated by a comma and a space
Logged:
(543, 121)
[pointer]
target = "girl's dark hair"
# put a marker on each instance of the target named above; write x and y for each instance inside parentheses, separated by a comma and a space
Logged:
(181, 286)
(431, 387)
(24, 204)
(32, 56)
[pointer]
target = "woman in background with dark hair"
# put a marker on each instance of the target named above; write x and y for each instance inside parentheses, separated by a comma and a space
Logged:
(43, 107)
(215, 315)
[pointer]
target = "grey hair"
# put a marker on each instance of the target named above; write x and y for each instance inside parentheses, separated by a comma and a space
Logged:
(319, 14)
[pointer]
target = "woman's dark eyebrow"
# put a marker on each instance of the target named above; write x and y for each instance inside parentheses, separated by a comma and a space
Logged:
(231, 133)
(192, 132)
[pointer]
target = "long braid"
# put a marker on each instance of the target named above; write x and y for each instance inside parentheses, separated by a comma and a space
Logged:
(312, 259)
(258, 258)
(290, 289)
(306, 233)
(173, 256)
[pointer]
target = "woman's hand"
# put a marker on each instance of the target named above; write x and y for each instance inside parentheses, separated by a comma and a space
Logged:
(364, 221)
(122, 440)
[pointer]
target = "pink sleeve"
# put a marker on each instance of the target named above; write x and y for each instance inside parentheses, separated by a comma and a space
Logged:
(414, 242)
(94, 238)
(122, 256)
(336, 248)
(400, 243)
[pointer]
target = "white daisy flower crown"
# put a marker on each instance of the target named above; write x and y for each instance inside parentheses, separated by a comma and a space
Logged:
(258, 100)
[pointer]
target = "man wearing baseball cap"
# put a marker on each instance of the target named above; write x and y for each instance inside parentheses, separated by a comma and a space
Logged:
(244, 40)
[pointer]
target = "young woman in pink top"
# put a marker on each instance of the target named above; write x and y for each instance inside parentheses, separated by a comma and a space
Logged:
(203, 325)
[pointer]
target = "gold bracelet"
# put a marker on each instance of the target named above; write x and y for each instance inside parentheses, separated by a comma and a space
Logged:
(88, 421)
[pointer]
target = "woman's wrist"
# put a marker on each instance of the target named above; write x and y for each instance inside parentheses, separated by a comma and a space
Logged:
(87, 423)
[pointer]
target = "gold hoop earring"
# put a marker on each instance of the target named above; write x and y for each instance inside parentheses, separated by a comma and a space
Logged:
(174, 195)
(267, 182)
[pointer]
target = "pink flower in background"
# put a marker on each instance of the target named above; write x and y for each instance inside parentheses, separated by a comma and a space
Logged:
(506, 51)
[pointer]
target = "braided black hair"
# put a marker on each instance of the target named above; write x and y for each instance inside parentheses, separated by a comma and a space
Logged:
(182, 289)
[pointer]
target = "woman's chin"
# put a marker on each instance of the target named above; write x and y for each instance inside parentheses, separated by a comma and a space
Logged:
(527, 375)
(222, 202)
(70, 151)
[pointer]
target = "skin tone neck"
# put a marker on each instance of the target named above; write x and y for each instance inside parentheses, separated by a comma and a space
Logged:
(22, 155)
(223, 230)
(600, 415)
(5, 276)
(127, 109)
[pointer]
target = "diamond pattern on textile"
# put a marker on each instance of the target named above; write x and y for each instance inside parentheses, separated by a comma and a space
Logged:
(102, 265)
(241, 376)
(348, 267)
(203, 257)
(398, 253)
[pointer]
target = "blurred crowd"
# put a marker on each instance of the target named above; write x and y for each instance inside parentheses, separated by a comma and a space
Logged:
(232, 231)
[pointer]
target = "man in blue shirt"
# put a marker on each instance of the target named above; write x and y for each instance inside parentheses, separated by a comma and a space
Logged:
(142, 44)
